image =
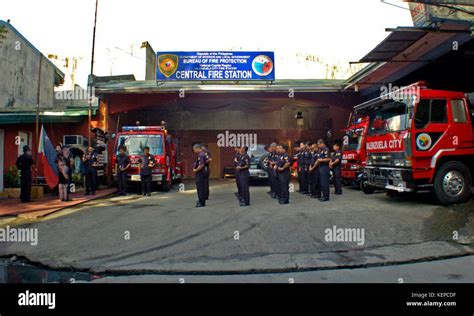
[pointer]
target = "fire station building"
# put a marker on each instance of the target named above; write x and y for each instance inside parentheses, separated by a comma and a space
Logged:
(195, 111)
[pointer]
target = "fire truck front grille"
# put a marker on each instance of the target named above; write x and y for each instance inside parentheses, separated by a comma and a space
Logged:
(378, 177)
(385, 159)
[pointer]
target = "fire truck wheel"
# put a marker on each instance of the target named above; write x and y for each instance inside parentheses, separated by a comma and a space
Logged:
(452, 183)
(365, 187)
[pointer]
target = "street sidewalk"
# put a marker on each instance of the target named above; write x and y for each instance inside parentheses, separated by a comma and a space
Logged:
(46, 205)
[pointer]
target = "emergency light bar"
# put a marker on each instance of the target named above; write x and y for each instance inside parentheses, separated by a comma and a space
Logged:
(142, 128)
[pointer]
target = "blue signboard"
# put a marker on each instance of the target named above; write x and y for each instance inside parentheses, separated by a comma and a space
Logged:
(215, 66)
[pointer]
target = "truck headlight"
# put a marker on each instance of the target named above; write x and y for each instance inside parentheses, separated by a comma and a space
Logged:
(354, 167)
(402, 163)
(398, 162)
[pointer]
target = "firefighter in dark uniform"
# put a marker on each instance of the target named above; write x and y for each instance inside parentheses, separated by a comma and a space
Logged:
(310, 171)
(121, 168)
(269, 161)
(242, 168)
(90, 161)
(306, 159)
(207, 153)
(335, 165)
(300, 162)
(276, 158)
(200, 169)
(238, 194)
(297, 158)
(24, 163)
(283, 170)
(323, 162)
(147, 162)
(314, 172)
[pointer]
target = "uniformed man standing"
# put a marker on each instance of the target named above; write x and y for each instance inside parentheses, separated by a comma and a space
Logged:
(276, 158)
(242, 168)
(147, 163)
(305, 160)
(310, 171)
(238, 194)
(200, 170)
(323, 162)
(121, 167)
(314, 170)
(283, 169)
(207, 153)
(335, 165)
(24, 163)
(90, 161)
(299, 162)
(271, 159)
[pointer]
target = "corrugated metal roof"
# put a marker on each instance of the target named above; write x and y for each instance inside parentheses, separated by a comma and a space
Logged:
(393, 45)
(417, 47)
(282, 85)
(46, 117)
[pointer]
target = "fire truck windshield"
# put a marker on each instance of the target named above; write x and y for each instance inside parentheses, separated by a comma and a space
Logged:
(353, 142)
(389, 116)
(136, 143)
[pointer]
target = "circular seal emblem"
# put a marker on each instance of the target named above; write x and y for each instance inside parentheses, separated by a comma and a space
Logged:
(262, 65)
(423, 141)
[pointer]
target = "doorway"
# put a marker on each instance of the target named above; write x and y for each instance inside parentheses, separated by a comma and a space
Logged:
(216, 160)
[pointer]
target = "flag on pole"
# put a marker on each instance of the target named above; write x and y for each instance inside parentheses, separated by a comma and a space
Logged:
(47, 157)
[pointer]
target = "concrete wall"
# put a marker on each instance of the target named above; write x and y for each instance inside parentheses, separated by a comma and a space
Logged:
(19, 69)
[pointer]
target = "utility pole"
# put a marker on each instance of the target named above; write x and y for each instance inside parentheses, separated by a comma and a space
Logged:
(38, 96)
(90, 83)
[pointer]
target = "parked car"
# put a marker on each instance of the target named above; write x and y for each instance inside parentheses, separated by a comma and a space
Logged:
(258, 163)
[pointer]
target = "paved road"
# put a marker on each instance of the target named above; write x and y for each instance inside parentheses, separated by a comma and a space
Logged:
(454, 270)
(165, 233)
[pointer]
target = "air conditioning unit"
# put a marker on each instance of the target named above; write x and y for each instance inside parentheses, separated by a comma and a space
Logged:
(74, 141)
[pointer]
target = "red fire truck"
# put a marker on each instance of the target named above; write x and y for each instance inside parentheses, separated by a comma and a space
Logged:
(353, 147)
(163, 146)
(421, 139)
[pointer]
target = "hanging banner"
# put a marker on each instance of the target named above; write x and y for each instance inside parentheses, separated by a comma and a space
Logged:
(205, 66)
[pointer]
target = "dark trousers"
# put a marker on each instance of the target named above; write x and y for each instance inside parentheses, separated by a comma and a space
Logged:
(336, 172)
(91, 180)
(284, 181)
(25, 183)
(311, 187)
(276, 183)
(206, 188)
(238, 182)
(201, 186)
(324, 180)
(122, 182)
(271, 180)
(316, 187)
(303, 179)
(146, 183)
(244, 186)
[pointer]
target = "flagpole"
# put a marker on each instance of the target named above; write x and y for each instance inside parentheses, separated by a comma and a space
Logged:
(38, 94)
(90, 77)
